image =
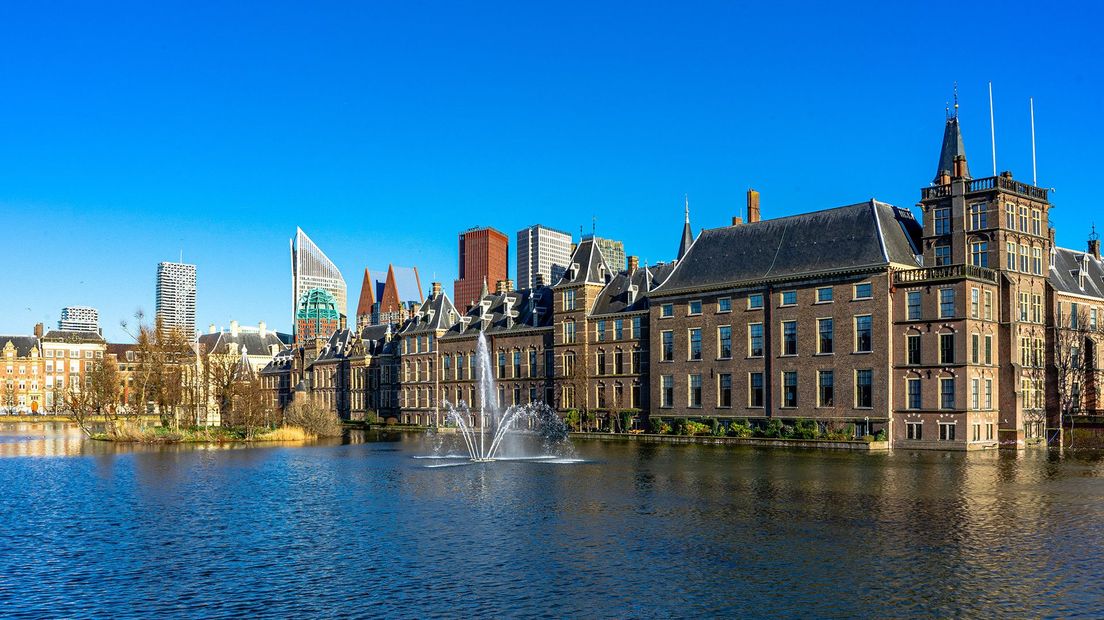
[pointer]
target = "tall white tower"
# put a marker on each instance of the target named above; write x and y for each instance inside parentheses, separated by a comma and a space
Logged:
(541, 250)
(176, 297)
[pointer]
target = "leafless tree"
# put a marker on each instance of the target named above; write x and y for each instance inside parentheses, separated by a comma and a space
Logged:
(99, 398)
(310, 415)
(1074, 344)
(163, 368)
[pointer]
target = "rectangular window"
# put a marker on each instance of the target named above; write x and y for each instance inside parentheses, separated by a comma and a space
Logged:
(755, 389)
(864, 334)
(724, 390)
(824, 295)
(569, 299)
(975, 394)
(1010, 216)
(1023, 219)
(600, 331)
(988, 306)
(988, 350)
(914, 305)
(975, 348)
(946, 303)
(947, 393)
(863, 291)
(517, 364)
(1036, 222)
(975, 303)
(619, 329)
(667, 311)
(1024, 258)
(826, 386)
(532, 363)
(989, 432)
(755, 301)
(667, 391)
(695, 307)
(695, 344)
(989, 394)
(1023, 306)
(1011, 252)
(638, 327)
(979, 253)
(724, 304)
(946, 349)
(946, 431)
(977, 431)
(755, 340)
(1037, 261)
(789, 298)
(864, 388)
(942, 255)
(825, 335)
(913, 389)
(667, 350)
(979, 216)
(789, 389)
(569, 332)
(724, 342)
(942, 221)
(914, 430)
(695, 393)
(912, 346)
(789, 337)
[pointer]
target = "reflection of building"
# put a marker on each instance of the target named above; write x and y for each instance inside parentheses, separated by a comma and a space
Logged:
(484, 258)
(311, 269)
(317, 315)
(22, 376)
(176, 297)
(613, 251)
(543, 252)
(390, 300)
(79, 319)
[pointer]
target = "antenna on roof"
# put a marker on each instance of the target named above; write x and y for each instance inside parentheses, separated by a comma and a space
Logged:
(1034, 175)
(687, 198)
(992, 129)
(956, 99)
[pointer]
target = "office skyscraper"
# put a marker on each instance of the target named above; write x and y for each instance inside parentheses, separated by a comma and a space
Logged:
(484, 257)
(312, 269)
(541, 251)
(176, 297)
(79, 319)
(613, 251)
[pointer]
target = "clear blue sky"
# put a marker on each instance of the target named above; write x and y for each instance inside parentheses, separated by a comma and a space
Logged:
(131, 132)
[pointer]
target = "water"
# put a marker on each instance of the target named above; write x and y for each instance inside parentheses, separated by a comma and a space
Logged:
(362, 528)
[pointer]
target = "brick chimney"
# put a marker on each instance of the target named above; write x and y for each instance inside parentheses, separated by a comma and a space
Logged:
(39, 329)
(634, 263)
(504, 286)
(234, 328)
(959, 167)
(752, 206)
(262, 328)
(737, 220)
(1094, 248)
(211, 328)
(1050, 234)
(436, 290)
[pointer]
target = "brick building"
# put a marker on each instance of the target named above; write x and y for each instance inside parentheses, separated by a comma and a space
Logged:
(484, 257)
(22, 374)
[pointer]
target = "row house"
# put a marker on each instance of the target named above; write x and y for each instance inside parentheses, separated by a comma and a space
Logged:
(22, 375)
(69, 357)
(1074, 335)
(421, 359)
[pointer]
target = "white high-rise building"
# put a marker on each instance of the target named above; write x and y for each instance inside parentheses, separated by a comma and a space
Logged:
(541, 250)
(79, 319)
(176, 297)
(310, 269)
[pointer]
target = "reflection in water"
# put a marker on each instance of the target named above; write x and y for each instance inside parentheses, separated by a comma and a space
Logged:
(361, 527)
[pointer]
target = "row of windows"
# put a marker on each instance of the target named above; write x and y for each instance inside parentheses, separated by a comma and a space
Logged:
(981, 349)
(825, 339)
(824, 295)
(979, 219)
(602, 331)
(915, 431)
(825, 394)
(1078, 315)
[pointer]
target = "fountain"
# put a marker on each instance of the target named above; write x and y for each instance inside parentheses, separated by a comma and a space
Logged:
(495, 424)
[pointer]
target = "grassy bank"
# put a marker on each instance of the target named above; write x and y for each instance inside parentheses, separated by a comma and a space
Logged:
(214, 434)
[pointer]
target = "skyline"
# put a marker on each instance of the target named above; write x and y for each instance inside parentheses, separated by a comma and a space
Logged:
(186, 135)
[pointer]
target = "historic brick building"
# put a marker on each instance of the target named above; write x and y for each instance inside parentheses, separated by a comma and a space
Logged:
(22, 374)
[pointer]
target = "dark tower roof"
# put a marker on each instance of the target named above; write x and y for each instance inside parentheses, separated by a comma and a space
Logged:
(952, 148)
(687, 234)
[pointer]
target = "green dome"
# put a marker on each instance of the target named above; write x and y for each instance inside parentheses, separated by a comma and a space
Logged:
(315, 304)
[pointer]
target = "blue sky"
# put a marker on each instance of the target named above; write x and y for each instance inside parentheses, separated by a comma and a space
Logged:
(132, 132)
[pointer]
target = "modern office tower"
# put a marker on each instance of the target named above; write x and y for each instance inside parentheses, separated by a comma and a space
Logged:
(79, 319)
(541, 251)
(176, 297)
(484, 258)
(612, 251)
(311, 269)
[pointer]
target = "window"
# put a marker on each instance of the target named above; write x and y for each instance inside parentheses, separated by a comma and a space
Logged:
(947, 393)
(1011, 256)
(569, 299)
(1023, 306)
(695, 307)
(989, 394)
(568, 363)
(667, 311)
(667, 352)
(501, 366)
(755, 301)
(979, 253)
(988, 350)
(638, 327)
(946, 349)
(755, 340)
(619, 329)
(988, 306)
(789, 389)
(913, 390)
(942, 255)
(975, 348)
(978, 216)
(667, 391)
(975, 394)
(724, 304)
(946, 431)
(601, 355)
(532, 363)
(724, 390)
(789, 337)
(600, 331)
(912, 346)
(695, 343)
(724, 342)
(517, 365)
(1010, 216)
(864, 334)
(824, 295)
(1092, 319)
(1024, 258)
(695, 392)
(1023, 219)
(975, 303)
(863, 291)
(569, 332)
(942, 221)
(1037, 261)
(914, 430)
(1036, 222)
(755, 389)
(618, 362)
(824, 336)
(946, 303)
(864, 388)
(789, 298)
(914, 306)
(826, 384)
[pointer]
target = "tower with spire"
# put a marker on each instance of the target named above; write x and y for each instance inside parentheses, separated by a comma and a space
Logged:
(687, 234)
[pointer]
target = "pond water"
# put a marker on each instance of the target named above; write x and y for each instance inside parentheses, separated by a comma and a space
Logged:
(360, 527)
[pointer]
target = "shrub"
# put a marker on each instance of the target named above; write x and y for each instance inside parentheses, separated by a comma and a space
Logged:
(740, 428)
(678, 426)
(806, 429)
(571, 419)
(881, 436)
(772, 429)
(868, 438)
(697, 428)
(313, 418)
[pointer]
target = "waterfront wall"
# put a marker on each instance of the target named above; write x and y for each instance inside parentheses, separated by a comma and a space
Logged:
(866, 446)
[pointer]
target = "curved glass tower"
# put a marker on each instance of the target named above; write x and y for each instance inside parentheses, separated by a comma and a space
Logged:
(312, 269)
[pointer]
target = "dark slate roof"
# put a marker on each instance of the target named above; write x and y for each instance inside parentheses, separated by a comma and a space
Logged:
(122, 351)
(71, 336)
(253, 342)
(435, 313)
(337, 347)
(528, 309)
(952, 146)
(281, 362)
(1065, 268)
(687, 235)
(616, 297)
(867, 234)
(23, 344)
(587, 265)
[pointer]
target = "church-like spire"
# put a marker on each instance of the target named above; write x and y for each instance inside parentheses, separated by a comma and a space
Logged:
(484, 291)
(953, 149)
(687, 234)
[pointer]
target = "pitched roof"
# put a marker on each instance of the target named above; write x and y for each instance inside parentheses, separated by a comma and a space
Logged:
(587, 265)
(952, 147)
(435, 313)
(253, 342)
(687, 234)
(74, 337)
(867, 234)
(1065, 269)
(617, 296)
(23, 344)
(367, 295)
(503, 313)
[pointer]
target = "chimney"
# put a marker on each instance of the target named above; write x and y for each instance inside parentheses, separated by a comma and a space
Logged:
(504, 286)
(752, 206)
(436, 290)
(634, 263)
(538, 280)
(234, 328)
(1094, 248)
(262, 328)
(737, 220)
(39, 328)
(959, 167)
(211, 328)
(1050, 234)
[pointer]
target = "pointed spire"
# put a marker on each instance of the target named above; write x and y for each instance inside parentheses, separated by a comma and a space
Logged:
(367, 296)
(484, 292)
(953, 149)
(687, 234)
